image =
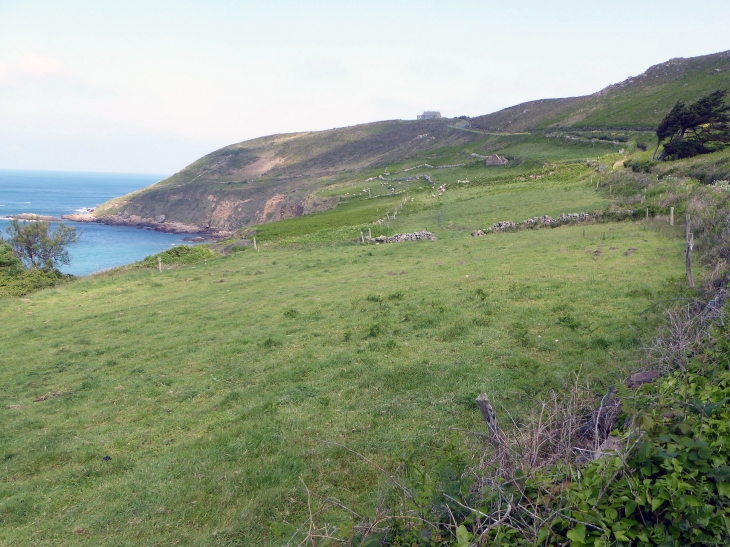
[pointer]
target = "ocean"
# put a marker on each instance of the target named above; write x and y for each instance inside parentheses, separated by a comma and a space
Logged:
(60, 193)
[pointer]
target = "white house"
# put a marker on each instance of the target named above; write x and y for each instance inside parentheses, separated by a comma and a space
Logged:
(429, 115)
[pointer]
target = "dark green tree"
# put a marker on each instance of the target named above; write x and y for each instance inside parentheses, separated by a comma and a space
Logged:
(38, 246)
(8, 260)
(699, 128)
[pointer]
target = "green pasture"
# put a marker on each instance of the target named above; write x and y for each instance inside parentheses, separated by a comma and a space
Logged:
(348, 215)
(211, 387)
(463, 208)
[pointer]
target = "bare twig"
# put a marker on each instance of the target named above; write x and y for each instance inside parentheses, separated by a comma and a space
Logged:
(457, 502)
(376, 466)
(576, 521)
(496, 522)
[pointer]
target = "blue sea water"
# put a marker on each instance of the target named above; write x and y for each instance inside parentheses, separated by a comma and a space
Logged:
(60, 193)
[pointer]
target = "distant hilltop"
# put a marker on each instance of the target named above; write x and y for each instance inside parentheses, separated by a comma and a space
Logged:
(282, 176)
(637, 103)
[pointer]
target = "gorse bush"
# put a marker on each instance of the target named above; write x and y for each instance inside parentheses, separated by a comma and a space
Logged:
(179, 255)
(15, 280)
(7, 258)
(639, 166)
(22, 282)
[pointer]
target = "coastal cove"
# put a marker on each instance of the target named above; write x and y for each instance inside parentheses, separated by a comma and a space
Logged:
(55, 194)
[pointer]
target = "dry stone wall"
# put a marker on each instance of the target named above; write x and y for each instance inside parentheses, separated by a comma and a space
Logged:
(537, 222)
(398, 238)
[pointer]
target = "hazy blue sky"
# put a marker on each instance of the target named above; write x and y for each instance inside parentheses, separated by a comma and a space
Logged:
(150, 86)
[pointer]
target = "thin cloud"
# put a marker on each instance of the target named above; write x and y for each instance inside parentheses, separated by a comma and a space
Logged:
(31, 68)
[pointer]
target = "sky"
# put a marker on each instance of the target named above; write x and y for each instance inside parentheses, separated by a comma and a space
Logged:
(150, 86)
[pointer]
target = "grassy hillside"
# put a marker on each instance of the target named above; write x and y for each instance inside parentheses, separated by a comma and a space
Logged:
(638, 103)
(316, 171)
(274, 177)
(211, 387)
(287, 176)
(193, 406)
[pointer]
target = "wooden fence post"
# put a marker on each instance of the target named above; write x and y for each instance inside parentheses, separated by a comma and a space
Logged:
(647, 213)
(255, 247)
(159, 263)
(495, 436)
(362, 237)
(671, 216)
(690, 245)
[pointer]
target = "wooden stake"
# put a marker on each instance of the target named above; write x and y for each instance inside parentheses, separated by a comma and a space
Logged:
(671, 216)
(647, 213)
(490, 417)
(495, 435)
(159, 263)
(690, 246)
(255, 247)
(362, 237)
(370, 234)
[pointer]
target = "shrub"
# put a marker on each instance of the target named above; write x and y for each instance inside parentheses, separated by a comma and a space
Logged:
(639, 166)
(8, 259)
(19, 282)
(179, 255)
(15, 280)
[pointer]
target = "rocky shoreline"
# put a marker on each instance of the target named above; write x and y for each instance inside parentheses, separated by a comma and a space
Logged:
(31, 216)
(159, 225)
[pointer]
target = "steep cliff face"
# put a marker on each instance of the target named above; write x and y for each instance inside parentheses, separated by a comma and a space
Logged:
(276, 177)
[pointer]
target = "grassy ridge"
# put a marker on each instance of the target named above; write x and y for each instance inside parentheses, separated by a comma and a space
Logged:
(638, 102)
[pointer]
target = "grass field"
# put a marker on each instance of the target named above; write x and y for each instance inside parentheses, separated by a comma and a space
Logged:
(211, 386)
(192, 406)
(500, 195)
